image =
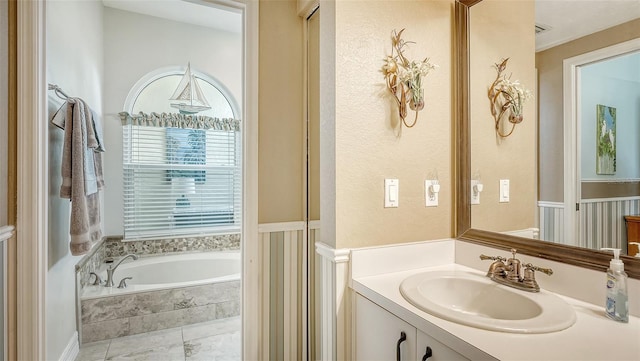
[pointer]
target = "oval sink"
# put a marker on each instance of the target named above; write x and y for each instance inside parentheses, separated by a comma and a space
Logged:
(474, 300)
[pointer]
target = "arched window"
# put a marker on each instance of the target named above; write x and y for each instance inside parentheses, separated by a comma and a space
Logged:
(181, 161)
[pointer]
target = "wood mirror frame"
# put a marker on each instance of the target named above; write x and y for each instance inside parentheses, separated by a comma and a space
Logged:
(583, 257)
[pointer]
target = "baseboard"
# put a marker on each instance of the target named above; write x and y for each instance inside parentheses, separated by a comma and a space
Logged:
(72, 350)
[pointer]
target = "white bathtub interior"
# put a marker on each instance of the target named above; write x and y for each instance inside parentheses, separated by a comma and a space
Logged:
(163, 272)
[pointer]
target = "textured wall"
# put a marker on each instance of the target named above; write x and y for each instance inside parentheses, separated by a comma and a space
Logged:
(494, 36)
(369, 146)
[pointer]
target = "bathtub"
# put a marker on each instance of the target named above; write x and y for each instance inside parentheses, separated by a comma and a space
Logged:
(164, 272)
(164, 292)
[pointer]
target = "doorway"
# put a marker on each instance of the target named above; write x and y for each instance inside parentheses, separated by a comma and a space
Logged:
(599, 123)
(37, 294)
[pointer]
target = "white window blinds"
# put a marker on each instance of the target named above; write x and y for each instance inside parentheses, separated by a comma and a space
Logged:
(182, 175)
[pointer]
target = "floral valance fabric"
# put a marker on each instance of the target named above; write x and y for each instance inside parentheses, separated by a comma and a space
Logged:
(176, 120)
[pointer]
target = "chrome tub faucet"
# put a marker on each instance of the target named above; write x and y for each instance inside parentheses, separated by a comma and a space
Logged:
(512, 273)
(112, 269)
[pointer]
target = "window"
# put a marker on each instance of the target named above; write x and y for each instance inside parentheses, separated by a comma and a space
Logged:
(182, 173)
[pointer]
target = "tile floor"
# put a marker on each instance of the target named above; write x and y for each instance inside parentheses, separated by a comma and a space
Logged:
(217, 340)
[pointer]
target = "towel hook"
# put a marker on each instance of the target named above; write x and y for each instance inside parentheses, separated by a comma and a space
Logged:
(61, 94)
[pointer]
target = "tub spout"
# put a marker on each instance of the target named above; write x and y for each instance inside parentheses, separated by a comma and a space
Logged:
(112, 269)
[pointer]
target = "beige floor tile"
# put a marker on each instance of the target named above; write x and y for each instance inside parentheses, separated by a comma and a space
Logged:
(225, 347)
(131, 344)
(94, 351)
(157, 353)
(211, 328)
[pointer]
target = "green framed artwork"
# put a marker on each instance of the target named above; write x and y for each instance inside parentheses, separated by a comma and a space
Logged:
(605, 140)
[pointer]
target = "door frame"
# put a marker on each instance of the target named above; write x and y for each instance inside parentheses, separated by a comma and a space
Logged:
(32, 175)
(571, 84)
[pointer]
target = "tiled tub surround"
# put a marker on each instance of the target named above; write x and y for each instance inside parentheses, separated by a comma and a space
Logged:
(209, 291)
(113, 247)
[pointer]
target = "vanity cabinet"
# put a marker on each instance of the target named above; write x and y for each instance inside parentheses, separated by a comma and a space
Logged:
(377, 333)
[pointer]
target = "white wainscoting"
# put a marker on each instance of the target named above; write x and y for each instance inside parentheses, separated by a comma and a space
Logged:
(602, 222)
(335, 305)
(288, 262)
(6, 232)
(552, 222)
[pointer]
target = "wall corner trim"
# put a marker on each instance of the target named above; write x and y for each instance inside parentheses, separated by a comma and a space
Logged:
(332, 254)
(72, 350)
(335, 305)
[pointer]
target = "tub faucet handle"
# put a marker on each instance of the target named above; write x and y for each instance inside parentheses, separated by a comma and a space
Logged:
(123, 282)
(98, 280)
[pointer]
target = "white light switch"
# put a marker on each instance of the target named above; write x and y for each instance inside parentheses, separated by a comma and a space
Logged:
(504, 190)
(391, 192)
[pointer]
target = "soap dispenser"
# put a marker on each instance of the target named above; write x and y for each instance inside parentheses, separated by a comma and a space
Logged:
(616, 306)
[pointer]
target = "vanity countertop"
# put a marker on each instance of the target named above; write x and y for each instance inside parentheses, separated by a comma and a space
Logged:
(592, 337)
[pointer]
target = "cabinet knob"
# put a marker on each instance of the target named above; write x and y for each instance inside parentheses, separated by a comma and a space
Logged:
(427, 354)
(403, 337)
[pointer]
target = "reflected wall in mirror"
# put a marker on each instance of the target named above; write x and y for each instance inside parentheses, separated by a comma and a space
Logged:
(533, 157)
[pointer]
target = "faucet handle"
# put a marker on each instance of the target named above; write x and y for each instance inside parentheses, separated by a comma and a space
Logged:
(97, 281)
(123, 282)
(493, 258)
(547, 271)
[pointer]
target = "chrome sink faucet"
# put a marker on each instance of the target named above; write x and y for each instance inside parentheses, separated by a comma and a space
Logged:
(112, 269)
(511, 272)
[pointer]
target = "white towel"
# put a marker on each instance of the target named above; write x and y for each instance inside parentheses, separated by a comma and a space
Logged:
(80, 164)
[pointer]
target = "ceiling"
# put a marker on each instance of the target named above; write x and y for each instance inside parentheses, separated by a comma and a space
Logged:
(567, 20)
(196, 12)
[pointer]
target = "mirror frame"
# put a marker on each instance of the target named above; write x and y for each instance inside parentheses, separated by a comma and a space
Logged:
(582, 257)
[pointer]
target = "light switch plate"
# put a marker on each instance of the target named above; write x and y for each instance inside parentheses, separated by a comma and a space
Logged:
(475, 196)
(391, 193)
(431, 199)
(504, 190)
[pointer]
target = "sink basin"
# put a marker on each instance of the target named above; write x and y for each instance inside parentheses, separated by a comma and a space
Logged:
(474, 300)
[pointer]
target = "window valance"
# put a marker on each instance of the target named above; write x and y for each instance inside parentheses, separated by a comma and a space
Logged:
(176, 120)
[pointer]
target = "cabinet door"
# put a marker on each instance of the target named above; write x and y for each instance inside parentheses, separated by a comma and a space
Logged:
(439, 351)
(378, 332)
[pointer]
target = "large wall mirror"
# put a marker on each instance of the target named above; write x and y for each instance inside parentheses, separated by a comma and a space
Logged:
(572, 164)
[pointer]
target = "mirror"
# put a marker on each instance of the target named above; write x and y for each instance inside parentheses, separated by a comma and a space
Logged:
(501, 27)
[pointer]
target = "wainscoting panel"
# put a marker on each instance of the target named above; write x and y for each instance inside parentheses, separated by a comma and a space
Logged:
(287, 264)
(552, 222)
(602, 222)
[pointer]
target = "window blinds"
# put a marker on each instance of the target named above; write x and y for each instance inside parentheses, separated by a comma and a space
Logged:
(181, 177)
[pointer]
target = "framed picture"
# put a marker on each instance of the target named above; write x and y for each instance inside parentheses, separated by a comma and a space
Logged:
(605, 139)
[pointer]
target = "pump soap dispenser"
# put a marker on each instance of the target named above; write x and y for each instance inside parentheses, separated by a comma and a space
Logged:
(616, 306)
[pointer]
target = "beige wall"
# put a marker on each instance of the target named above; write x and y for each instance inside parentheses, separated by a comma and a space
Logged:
(367, 148)
(549, 64)
(503, 29)
(280, 158)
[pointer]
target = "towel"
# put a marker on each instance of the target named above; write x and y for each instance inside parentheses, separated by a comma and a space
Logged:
(81, 174)
(93, 175)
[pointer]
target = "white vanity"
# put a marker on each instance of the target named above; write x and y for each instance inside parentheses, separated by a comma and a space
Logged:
(381, 314)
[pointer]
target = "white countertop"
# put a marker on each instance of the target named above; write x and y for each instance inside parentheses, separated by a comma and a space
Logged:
(592, 337)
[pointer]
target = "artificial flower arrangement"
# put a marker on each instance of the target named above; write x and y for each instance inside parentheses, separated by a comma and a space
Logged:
(404, 77)
(507, 99)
